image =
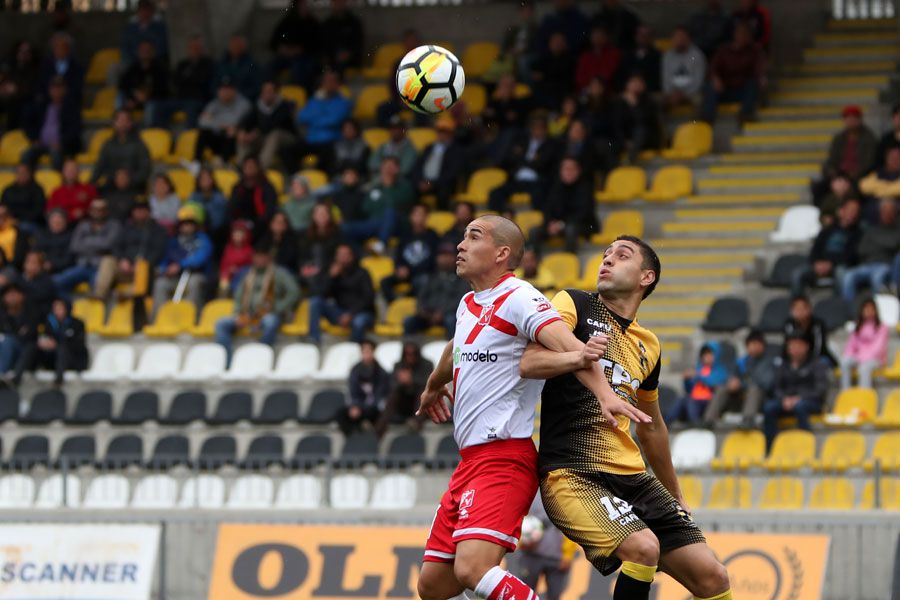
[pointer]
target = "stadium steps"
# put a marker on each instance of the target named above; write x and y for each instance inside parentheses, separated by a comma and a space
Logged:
(820, 126)
(728, 214)
(847, 54)
(858, 25)
(846, 82)
(830, 97)
(828, 39)
(716, 229)
(672, 258)
(780, 158)
(759, 184)
(873, 67)
(705, 244)
(770, 170)
(796, 113)
(763, 199)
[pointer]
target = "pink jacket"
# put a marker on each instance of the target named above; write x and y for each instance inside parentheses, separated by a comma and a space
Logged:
(870, 343)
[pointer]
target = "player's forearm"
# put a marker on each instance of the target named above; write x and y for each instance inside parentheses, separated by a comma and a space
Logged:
(557, 338)
(540, 363)
(654, 438)
(443, 370)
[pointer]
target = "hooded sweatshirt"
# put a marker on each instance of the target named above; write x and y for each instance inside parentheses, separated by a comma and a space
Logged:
(700, 387)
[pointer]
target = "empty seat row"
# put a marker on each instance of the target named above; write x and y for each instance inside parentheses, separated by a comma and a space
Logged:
(728, 314)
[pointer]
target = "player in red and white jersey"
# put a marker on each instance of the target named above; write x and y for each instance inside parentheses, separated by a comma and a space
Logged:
(480, 515)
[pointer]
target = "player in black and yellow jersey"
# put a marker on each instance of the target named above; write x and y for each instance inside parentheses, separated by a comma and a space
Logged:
(594, 483)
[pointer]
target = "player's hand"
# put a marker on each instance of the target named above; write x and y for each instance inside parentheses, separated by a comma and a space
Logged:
(613, 407)
(432, 405)
(593, 350)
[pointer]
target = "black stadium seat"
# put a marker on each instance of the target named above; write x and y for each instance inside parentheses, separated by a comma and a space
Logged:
(140, 406)
(405, 450)
(232, 407)
(46, 406)
(9, 404)
(727, 315)
(77, 451)
(324, 407)
(312, 450)
(783, 270)
(359, 448)
(278, 407)
(667, 398)
(186, 407)
(833, 311)
(447, 453)
(30, 450)
(92, 407)
(264, 451)
(774, 314)
(217, 451)
(124, 450)
(169, 451)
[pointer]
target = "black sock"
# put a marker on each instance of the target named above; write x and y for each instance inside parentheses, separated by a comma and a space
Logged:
(628, 588)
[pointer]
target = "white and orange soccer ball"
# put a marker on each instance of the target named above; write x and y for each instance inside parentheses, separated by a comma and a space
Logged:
(430, 79)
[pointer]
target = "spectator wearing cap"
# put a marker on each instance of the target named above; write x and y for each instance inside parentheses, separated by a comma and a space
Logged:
(320, 120)
(253, 199)
(877, 252)
(636, 118)
(300, 203)
(93, 239)
(24, 198)
(265, 296)
(239, 68)
(61, 63)
(644, 59)
(186, 262)
(347, 299)
(530, 163)
(884, 182)
(397, 146)
(438, 295)
(164, 202)
(142, 239)
(191, 83)
(569, 209)
(438, 169)
(18, 324)
(750, 381)
(415, 253)
(683, 70)
(388, 197)
(852, 150)
(146, 25)
(125, 150)
(219, 122)
(54, 242)
(267, 127)
(53, 126)
(59, 344)
(803, 322)
(369, 386)
(866, 348)
(736, 74)
(144, 83)
(891, 138)
(72, 196)
(833, 251)
(601, 59)
(350, 150)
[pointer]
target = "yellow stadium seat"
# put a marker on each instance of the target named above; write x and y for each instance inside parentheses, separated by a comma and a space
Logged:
(103, 106)
(158, 142)
(91, 311)
(853, 406)
(101, 61)
(619, 222)
(475, 97)
(120, 322)
(315, 177)
(172, 318)
(12, 145)
(441, 221)
(48, 179)
(793, 449)
(481, 183)
(277, 180)
(185, 147)
(782, 493)
(890, 413)
(98, 138)
(588, 280)
(368, 100)
(692, 490)
(386, 57)
(397, 311)
(623, 184)
(478, 57)
(741, 450)
(564, 266)
(671, 183)
(522, 90)
(890, 495)
(833, 493)
(841, 451)
(886, 452)
(422, 137)
(378, 267)
(375, 137)
(6, 178)
(226, 179)
(528, 220)
(692, 140)
(212, 312)
(295, 94)
(729, 492)
(300, 325)
(893, 372)
(520, 199)
(183, 181)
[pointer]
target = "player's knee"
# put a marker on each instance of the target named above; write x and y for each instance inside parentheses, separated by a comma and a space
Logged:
(469, 571)
(714, 582)
(427, 591)
(641, 548)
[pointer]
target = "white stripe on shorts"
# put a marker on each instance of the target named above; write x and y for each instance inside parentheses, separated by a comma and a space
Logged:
(437, 554)
(490, 532)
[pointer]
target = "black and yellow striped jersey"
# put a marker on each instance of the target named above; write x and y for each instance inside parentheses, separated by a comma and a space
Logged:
(574, 434)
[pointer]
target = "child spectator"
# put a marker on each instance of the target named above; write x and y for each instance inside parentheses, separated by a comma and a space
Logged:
(213, 206)
(699, 385)
(238, 254)
(751, 380)
(164, 203)
(866, 348)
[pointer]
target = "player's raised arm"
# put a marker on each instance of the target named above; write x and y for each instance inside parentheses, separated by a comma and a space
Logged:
(432, 399)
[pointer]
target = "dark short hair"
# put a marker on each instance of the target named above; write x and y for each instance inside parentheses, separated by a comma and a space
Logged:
(651, 259)
(799, 298)
(367, 342)
(755, 335)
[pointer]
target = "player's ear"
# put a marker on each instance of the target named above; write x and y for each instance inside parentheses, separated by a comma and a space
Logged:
(648, 276)
(503, 254)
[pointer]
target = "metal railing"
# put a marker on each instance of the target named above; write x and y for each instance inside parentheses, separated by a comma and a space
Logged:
(863, 9)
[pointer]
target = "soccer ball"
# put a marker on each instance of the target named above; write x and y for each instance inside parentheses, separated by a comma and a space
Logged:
(532, 532)
(430, 79)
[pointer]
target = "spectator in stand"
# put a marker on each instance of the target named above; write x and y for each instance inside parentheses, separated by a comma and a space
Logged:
(350, 150)
(164, 202)
(802, 321)
(878, 249)
(407, 384)
(238, 67)
(566, 19)
(750, 382)
(414, 256)
(601, 59)
(530, 270)
(53, 126)
(619, 21)
(553, 73)
(92, 240)
(321, 119)
(884, 182)
(18, 323)
(736, 74)
(833, 251)
(644, 59)
(683, 70)
(709, 27)
(191, 84)
(13, 242)
(282, 242)
(569, 209)
(267, 127)
(295, 40)
(397, 146)
(463, 213)
(120, 195)
(438, 295)
(187, 262)
(852, 150)
(440, 166)
(348, 195)
(318, 246)
(37, 283)
(145, 83)
(636, 117)
(519, 43)
(61, 63)
(841, 189)
(504, 109)
(237, 256)
(24, 199)
(300, 203)
(265, 296)
(757, 18)
(212, 205)
(124, 150)
(369, 388)
(219, 122)
(389, 197)
(890, 139)
(253, 199)
(142, 239)
(54, 242)
(72, 196)
(531, 163)
(597, 112)
(146, 25)
(18, 75)
(560, 120)
(347, 299)
(59, 345)
(801, 382)
(866, 348)
(342, 37)
(700, 385)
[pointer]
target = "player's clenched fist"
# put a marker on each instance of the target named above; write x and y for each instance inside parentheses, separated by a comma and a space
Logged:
(593, 350)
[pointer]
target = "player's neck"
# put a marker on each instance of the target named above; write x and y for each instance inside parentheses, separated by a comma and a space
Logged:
(626, 307)
(488, 281)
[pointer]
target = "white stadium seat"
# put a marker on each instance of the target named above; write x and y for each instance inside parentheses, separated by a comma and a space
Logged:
(338, 361)
(155, 492)
(388, 354)
(112, 362)
(16, 491)
(693, 449)
(349, 491)
(203, 361)
(299, 492)
(50, 494)
(251, 492)
(433, 350)
(106, 492)
(295, 362)
(250, 362)
(797, 224)
(158, 361)
(888, 310)
(203, 491)
(394, 492)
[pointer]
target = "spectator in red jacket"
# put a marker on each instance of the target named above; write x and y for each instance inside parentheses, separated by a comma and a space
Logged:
(238, 254)
(736, 74)
(72, 196)
(601, 60)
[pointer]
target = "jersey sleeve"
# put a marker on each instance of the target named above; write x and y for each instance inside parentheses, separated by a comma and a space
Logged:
(649, 388)
(565, 306)
(532, 311)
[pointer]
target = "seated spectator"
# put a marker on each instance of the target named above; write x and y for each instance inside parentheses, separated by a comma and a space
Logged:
(530, 162)
(802, 321)
(884, 182)
(18, 78)
(186, 262)
(37, 283)
(438, 295)
(295, 42)
(253, 198)
(852, 150)
(553, 73)
(750, 381)
(437, 171)
(299, 204)
(567, 19)
(801, 382)
(601, 59)
(560, 120)
(72, 196)
(504, 108)
(54, 242)
(877, 253)
(644, 59)
(577, 144)
(120, 195)
(531, 271)
(398, 146)
(145, 25)
(212, 204)
(890, 139)
(519, 41)
(757, 18)
(342, 37)
(597, 113)
(59, 345)
(833, 251)
(318, 245)
(569, 209)
(142, 240)
(61, 62)
(866, 348)
(164, 202)
(320, 119)
(637, 119)
(18, 323)
(13, 241)
(736, 74)
(619, 21)
(350, 150)
(415, 254)
(369, 387)
(709, 27)
(219, 122)
(24, 199)
(124, 150)
(841, 189)
(268, 127)
(53, 126)
(93, 239)
(407, 384)
(388, 198)
(265, 296)
(237, 256)
(144, 83)
(191, 82)
(240, 68)
(683, 70)
(347, 298)
(463, 214)
(282, 242)
(700, 385)
(348, 195)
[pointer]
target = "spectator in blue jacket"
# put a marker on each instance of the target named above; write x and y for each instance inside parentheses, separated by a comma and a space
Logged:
(700, 385)
(145, 25)
(188, 258)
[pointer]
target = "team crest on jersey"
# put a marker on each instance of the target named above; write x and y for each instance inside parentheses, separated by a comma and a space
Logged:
(486, 313)
(465, 503)
(507, 593)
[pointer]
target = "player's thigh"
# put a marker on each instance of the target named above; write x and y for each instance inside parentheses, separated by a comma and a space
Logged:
(641, 547)
(474, 558)
(696, 567)
(437, 581)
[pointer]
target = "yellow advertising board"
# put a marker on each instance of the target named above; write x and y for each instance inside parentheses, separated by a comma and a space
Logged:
(294, 562)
